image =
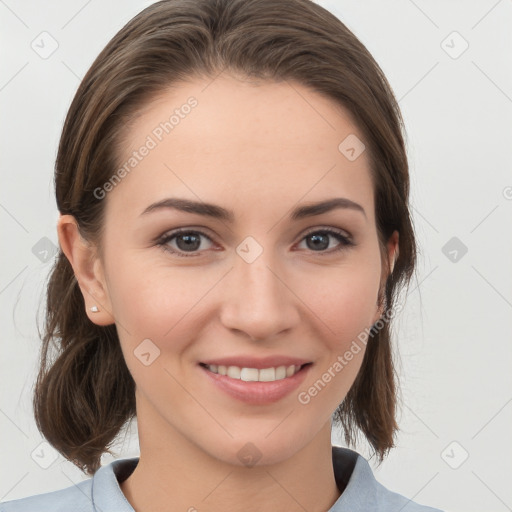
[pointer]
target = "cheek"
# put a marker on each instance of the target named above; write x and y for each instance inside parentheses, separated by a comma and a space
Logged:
(345, 308)
(345, 300)
(151, 301)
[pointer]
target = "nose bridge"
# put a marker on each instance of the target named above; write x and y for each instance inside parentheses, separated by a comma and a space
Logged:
(256, 300)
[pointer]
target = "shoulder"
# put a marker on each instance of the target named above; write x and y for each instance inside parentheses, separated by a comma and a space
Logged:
(101, 492)
(76, 497)
(363, 492)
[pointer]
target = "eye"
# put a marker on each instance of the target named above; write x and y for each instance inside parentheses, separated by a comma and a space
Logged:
(187, 241)
(320, 240)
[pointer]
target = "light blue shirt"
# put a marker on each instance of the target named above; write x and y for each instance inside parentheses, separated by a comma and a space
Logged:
(102, 492)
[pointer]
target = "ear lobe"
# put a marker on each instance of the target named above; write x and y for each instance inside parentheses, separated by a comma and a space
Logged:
(378, 314)
(393, 250)
(88, 270)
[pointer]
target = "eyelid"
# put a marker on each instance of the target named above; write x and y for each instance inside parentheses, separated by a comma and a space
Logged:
(187, 229)
(339, 231)
(205, 232)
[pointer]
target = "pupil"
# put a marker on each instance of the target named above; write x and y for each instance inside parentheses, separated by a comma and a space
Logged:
(189, 245)
(318, 237)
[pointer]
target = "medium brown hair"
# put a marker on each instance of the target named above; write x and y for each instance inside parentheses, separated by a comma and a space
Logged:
(85, 394)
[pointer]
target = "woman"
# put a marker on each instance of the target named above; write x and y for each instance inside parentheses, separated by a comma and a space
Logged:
(233, 187)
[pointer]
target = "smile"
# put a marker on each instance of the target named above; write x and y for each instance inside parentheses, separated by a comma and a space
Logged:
(254, 374)
(256, 386)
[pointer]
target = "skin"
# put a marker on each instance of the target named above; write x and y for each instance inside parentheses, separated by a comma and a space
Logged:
(258, 150)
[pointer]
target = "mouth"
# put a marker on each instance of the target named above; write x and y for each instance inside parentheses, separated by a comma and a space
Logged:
(247, 374)
(261, 385)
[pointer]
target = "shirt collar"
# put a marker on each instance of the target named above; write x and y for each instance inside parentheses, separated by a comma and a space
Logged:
(362, 489)
(106, 491)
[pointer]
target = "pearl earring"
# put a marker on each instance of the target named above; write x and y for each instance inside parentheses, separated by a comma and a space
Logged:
(94, 309)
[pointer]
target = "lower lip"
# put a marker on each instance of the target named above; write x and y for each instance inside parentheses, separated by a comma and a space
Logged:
(257, 393)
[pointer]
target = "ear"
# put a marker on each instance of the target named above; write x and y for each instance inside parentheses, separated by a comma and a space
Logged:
(392, 250)
(88, 270)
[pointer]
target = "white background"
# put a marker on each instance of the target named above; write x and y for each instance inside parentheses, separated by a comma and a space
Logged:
(454, 336)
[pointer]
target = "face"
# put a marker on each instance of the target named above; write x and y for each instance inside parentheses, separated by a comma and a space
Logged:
(257, 282)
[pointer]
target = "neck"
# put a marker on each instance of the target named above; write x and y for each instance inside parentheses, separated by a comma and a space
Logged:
(178, 476)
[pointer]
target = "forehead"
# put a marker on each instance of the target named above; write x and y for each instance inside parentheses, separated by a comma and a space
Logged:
(233, 140)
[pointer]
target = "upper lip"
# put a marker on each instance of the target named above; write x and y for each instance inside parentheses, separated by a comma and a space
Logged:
(259, 363)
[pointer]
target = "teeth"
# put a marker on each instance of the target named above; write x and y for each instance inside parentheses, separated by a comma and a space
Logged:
(269, 374)
(234, 372)
(255, 374)
(280, 372)
(247, 374)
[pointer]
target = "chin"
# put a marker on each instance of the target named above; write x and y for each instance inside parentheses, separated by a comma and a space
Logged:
(264, 448)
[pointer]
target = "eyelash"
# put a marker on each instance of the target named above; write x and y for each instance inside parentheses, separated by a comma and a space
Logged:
(164, 240)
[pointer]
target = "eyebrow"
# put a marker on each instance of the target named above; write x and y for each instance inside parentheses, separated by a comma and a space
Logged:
(220, 213)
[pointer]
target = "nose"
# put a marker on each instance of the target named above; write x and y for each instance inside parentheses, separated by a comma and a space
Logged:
(257, 300)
